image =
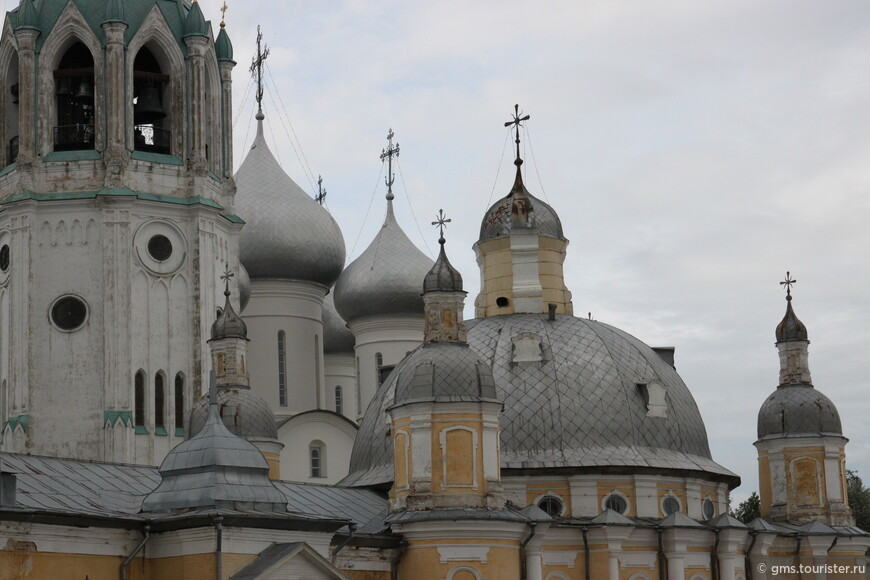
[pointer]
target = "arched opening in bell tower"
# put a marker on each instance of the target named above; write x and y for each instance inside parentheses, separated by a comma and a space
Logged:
(151, 123)
(11, 109)
(74, 94)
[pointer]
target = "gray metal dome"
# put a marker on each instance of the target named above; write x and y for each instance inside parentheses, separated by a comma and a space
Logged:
(791, 328)
(387, 278)
(228, 324)
(443, 371)
(287, 234)
(243, 281)
(798, 410)
(579, 407)
(498, 221)
(443, 277)
(337, 337)
(244, 412)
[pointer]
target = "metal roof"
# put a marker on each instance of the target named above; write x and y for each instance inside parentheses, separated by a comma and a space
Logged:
(578, 407)
(113, 490)
(798, 410)
(387, 278)
(288, 235)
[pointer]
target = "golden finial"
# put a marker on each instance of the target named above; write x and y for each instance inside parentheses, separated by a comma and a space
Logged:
(224, 15)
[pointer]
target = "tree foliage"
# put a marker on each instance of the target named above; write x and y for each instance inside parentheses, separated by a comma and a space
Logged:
(749, 509)
(859, 499)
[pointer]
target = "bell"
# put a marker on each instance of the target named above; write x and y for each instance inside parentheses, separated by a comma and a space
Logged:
(14, 90)
(86, 90)
(148, 108)
(64, 87)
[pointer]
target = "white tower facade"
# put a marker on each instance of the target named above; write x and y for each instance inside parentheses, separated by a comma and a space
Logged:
(117, 219)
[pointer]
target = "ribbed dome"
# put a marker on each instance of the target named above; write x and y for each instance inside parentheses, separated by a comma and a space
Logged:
(791, 328)
(228, 323)
(337, 337)
(442, 371)
(500, 219)
(244, 412)
(579, 407)
(287, 234)
(387, 278)
(443, 277)
(796, 410)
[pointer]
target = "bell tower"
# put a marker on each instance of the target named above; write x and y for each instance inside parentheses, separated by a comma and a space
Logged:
(117, 218)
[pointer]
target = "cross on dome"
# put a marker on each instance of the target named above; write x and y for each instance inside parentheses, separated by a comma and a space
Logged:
(388, 154)
(441, 221)
(788, 283)
(257, 70)
(517, 122)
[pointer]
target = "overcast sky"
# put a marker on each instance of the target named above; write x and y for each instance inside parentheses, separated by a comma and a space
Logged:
(695, 151)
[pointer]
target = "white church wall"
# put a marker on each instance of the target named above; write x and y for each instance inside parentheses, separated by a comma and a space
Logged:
(331, 433)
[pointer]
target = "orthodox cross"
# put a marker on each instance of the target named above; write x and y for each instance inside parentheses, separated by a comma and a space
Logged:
(517, 120)
(788, 283)
(441, 222)
(321, 193)
(226, 278)
(257, 67)
(388, 154)
(224, 14)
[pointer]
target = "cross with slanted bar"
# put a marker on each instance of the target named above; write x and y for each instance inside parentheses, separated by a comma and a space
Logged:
(388, 154)
(517, 120)
(441, 221)
(788, 283)
(257, 67)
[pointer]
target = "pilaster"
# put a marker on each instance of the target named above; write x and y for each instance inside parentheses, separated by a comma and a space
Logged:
(197, 117)
(116, 155)
(27, 105)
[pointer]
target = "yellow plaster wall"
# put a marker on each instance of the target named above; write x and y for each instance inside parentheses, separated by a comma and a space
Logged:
(461, 453)
(691, 572)
(274, 462)
(765, 493)
(24, 564)
(367, 575)
(421, 561)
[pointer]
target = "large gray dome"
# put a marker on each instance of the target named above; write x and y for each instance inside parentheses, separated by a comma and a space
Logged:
(387, 278)
(244, 412)
(798, 410)
(580, 407)
(287, 234)
(337, 337)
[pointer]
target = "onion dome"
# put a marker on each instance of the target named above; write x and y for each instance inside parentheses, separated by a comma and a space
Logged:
(443, 277)
(386, 278)
(798, 411)
(222, 45)
(244, 284)
(215, 469)
(244, 412)
(442, 372)
(790, 328)
(27, 15)
(194, 24)
(520, 210)
(114, 11)
(287, 234)
(228, 323)
(572, 401)
(337, 337)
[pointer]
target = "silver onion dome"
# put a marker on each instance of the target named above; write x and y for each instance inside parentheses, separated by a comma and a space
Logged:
(337, 337)
(580, 406)
(501, 218)
(387, 278)
(798, 410)
(243, 281)
(287, 234)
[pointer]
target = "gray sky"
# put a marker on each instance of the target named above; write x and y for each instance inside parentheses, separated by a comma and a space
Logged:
(695, 151)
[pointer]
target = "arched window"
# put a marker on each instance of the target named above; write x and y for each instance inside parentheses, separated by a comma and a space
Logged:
(139, 400)
(339, 407)
(11, 111)
(159, 402)
(317, 455)
(74, 91)
(4, 395)
(151, 127)
(179, 404)
(282, 368)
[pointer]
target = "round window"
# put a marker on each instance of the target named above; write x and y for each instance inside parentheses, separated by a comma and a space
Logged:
(4, 257)
(616, 503)
(552, 505)
(670, 505)
(709, 509)
(69, 313)
(501, 302)
(159, 247)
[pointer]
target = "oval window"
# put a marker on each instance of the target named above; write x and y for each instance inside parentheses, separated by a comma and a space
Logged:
(69, 313)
